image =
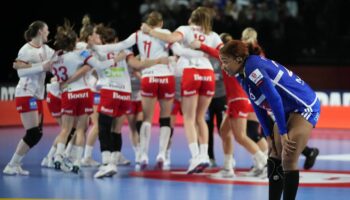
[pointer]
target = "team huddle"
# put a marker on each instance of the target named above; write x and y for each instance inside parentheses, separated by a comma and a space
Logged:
(98, 80)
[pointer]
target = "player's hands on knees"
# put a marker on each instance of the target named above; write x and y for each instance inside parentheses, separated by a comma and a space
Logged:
(289, 146)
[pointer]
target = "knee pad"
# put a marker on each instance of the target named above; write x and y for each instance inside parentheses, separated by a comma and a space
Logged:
(104, 131)
(253, 131)
(32, 136)
(274, 169)
(164, 121)
(138, 126)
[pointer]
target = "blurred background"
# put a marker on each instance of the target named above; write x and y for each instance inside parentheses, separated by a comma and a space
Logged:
(308, 34)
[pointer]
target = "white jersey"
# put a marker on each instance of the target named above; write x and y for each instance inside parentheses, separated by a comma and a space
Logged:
(65, 67)
(116, 77)
(153, 48)
(33, 84)
(81, 45)
(189, 34)
(54, 89)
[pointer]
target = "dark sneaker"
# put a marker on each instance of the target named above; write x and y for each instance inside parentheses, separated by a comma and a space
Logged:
(311, 158)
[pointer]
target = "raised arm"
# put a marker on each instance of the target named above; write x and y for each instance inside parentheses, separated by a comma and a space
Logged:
(138, 65)
(185, 52)
(34, 68)
(170, 38)
(127, 43)
(77, 75)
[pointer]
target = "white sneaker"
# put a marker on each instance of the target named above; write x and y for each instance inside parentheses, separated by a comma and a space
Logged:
(15, 170)
(166, 164)
(254, 172)
(160, 162)
(62, 163)
(89, 162)
(144, 161)
(122, 160)
(106, 171)
(47, 162)
(224, 173)
(197, 165)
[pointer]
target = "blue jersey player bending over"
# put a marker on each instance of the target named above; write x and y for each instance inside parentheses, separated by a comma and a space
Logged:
(273, 88)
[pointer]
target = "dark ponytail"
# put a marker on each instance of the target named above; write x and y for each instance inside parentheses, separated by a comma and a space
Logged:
(33, 30)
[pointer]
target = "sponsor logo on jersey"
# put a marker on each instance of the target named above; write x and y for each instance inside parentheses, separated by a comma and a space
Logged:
(202, 78)
(116, 95)
(256, 76)
(158, 80)
(78, 95)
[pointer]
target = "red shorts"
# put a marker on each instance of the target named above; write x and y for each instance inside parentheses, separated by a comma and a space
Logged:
(77, 103)
(198, 81)
(176, 108)
(162, 87)
(54, 105)
(28, 104)
(114, 103)
(135, 107)
(239, 109)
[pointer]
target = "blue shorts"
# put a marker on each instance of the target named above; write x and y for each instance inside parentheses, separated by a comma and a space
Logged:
(311, 114)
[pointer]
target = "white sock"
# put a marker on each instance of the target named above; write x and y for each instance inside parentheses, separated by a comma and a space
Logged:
(145, 137)
(78, 155)
(88, 151)
(115, 155)
(106, 157)
(60, 148)
(164, 139)
(228, 161)
(75, 151)
(260, 159)
(51, 152)
(194, 149)
(68, 149)
(16, 159)
(203, 149)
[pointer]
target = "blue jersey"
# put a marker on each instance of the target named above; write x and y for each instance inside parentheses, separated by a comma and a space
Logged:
(272, 87)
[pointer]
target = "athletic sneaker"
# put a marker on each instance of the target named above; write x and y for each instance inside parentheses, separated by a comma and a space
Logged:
(160, 162)
(122, 160)
(15, 170)
(254, 172)
(311, 158)
(47, 162)
(224, 173)
(106, 171)
(166, 164)
(198, 164)
(62, 163)
(144, 161)
(89, 162)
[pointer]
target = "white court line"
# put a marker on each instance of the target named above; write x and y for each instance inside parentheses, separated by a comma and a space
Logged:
(335, 157)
